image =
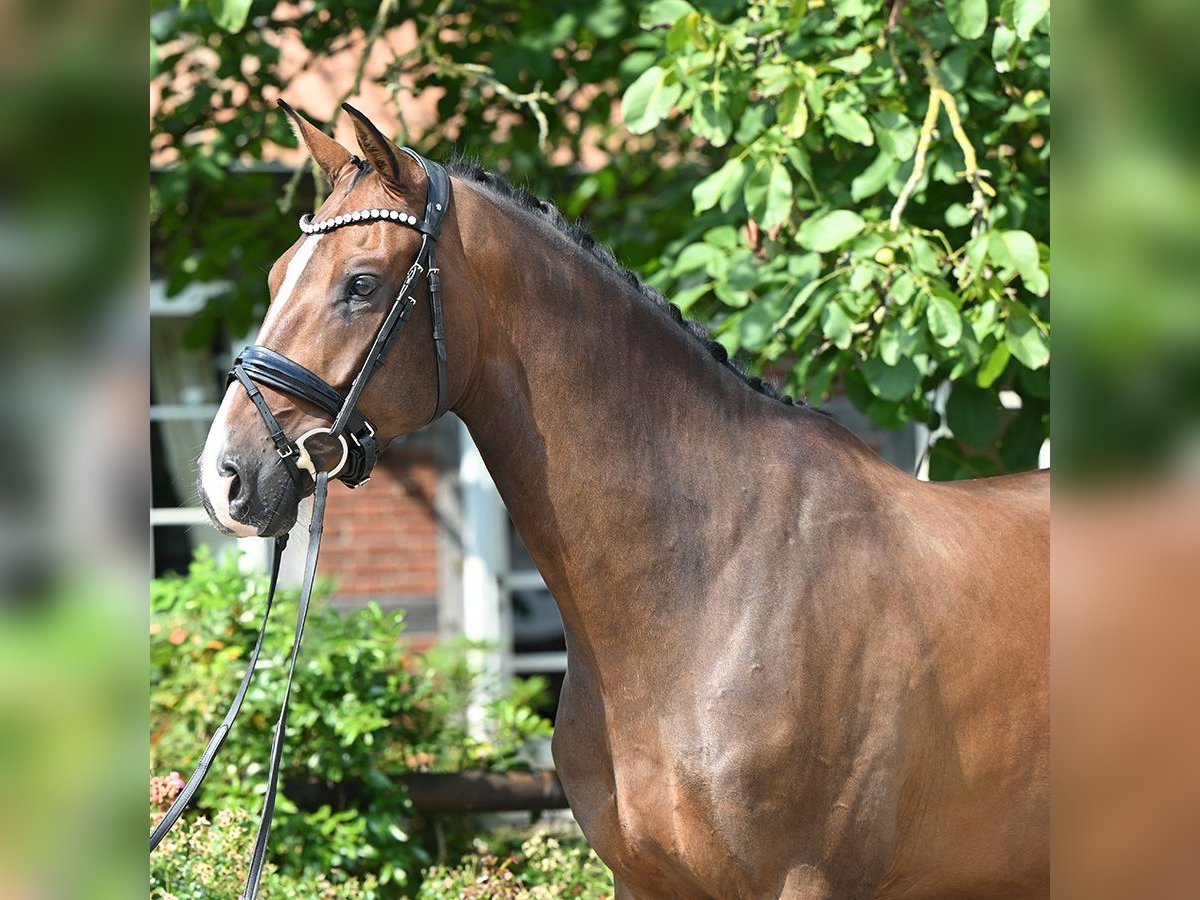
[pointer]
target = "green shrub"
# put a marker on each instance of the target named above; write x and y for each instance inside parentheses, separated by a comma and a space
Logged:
(363, 710)
(201, 859)
(540, 867)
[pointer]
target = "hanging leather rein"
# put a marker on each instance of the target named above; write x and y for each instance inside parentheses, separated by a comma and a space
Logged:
(360, 450)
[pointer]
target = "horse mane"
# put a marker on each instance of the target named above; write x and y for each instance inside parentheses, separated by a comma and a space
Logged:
(469, 170)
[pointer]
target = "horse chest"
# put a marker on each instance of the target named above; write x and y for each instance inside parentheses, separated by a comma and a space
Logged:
(668, 816)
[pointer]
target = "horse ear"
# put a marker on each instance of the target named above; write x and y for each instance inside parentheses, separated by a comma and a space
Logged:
(331, 156)
(389, 160)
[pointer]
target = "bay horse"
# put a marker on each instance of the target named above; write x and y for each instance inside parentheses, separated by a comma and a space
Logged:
(793, 670)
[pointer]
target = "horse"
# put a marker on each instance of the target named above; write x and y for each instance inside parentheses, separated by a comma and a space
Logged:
(793, 670)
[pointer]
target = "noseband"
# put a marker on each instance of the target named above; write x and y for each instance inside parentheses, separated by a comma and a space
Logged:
(260, 365)
(354, 431)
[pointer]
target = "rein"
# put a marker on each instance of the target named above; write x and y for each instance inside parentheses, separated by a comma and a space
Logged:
(260, 365)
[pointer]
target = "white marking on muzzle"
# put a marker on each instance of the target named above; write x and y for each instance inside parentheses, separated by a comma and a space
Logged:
(215, 485)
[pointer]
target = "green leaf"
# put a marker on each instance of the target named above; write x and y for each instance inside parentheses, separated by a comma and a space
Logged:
(756, 189)
(706, 194)
(958, 215)
(896, 382)
(828, 231)
(723, 236)
(971, 414)
(779, 196)
(799, 302)
(855, 63)
(850, 124)
(753, 122)
(1027, 14)
(1024, 338)
(793, 111)
(1003, 41)
(686, 297)
(694, 256)
(835, 324)
(945, 324)
(710, 119)
(796, 11)
(993, 367)
(1016, 250)
(969, 17)
(755, 325)
(773, 78)
(873, 178)
(897, 136)
(801, 162)
(649, 99)
(664, 12)
(230, 14)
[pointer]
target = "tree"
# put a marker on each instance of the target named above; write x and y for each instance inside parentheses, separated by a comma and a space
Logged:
(857, 191)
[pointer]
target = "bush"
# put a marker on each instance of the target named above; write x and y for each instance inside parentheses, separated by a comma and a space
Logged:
(542, 867)
(363, 709)
(201, 859)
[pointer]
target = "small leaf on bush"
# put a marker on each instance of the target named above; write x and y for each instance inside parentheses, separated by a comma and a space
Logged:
(969, 17)
(665, 12)
(828, 231)
(649, 99)
(1024, 338)
(993, 367)
(836, 325)
(1027, 14)
(779, 196)
(850, 124)
(945, 324)
(1015, 250)
(891, 382)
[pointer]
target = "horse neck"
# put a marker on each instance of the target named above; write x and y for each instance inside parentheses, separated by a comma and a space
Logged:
(612, 434)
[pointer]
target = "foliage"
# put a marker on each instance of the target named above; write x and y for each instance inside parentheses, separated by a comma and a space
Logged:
(363, 710)
(853, 191)
(542, 867)
(888, 166)
(201, 859)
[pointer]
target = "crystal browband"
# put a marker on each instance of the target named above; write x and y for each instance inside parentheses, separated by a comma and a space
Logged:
(308, 226)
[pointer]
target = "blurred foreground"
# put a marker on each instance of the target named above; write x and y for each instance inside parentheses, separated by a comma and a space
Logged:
(1126, 543)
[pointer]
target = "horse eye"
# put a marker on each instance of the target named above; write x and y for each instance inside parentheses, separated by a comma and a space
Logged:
(363, 286)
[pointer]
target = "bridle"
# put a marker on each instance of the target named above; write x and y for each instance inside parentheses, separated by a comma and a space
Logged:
(260, 365)
(265, 366)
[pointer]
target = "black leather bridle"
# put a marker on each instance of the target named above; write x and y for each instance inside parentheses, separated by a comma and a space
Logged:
(260, 365)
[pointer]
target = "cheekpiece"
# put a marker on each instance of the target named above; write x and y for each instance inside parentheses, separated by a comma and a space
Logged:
(308, 226)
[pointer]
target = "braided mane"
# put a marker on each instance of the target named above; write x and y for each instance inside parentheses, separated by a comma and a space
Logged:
(581, 237)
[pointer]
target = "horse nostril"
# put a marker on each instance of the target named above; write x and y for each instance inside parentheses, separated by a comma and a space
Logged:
(227, 469)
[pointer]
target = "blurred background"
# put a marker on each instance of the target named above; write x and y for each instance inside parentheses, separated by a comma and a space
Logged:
(114, 301)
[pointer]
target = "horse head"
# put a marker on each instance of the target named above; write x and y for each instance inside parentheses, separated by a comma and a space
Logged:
(340, 298)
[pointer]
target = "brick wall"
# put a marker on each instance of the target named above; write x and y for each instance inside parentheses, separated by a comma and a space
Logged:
(381, 540)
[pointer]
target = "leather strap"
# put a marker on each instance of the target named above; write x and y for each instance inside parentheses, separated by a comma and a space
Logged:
(214, 744)
(315, 528)
(258, 857)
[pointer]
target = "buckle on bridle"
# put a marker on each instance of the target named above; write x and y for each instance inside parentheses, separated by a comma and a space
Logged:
(287, 451)
(305, 462)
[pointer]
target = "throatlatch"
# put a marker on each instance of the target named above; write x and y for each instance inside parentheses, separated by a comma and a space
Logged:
(261, 365)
